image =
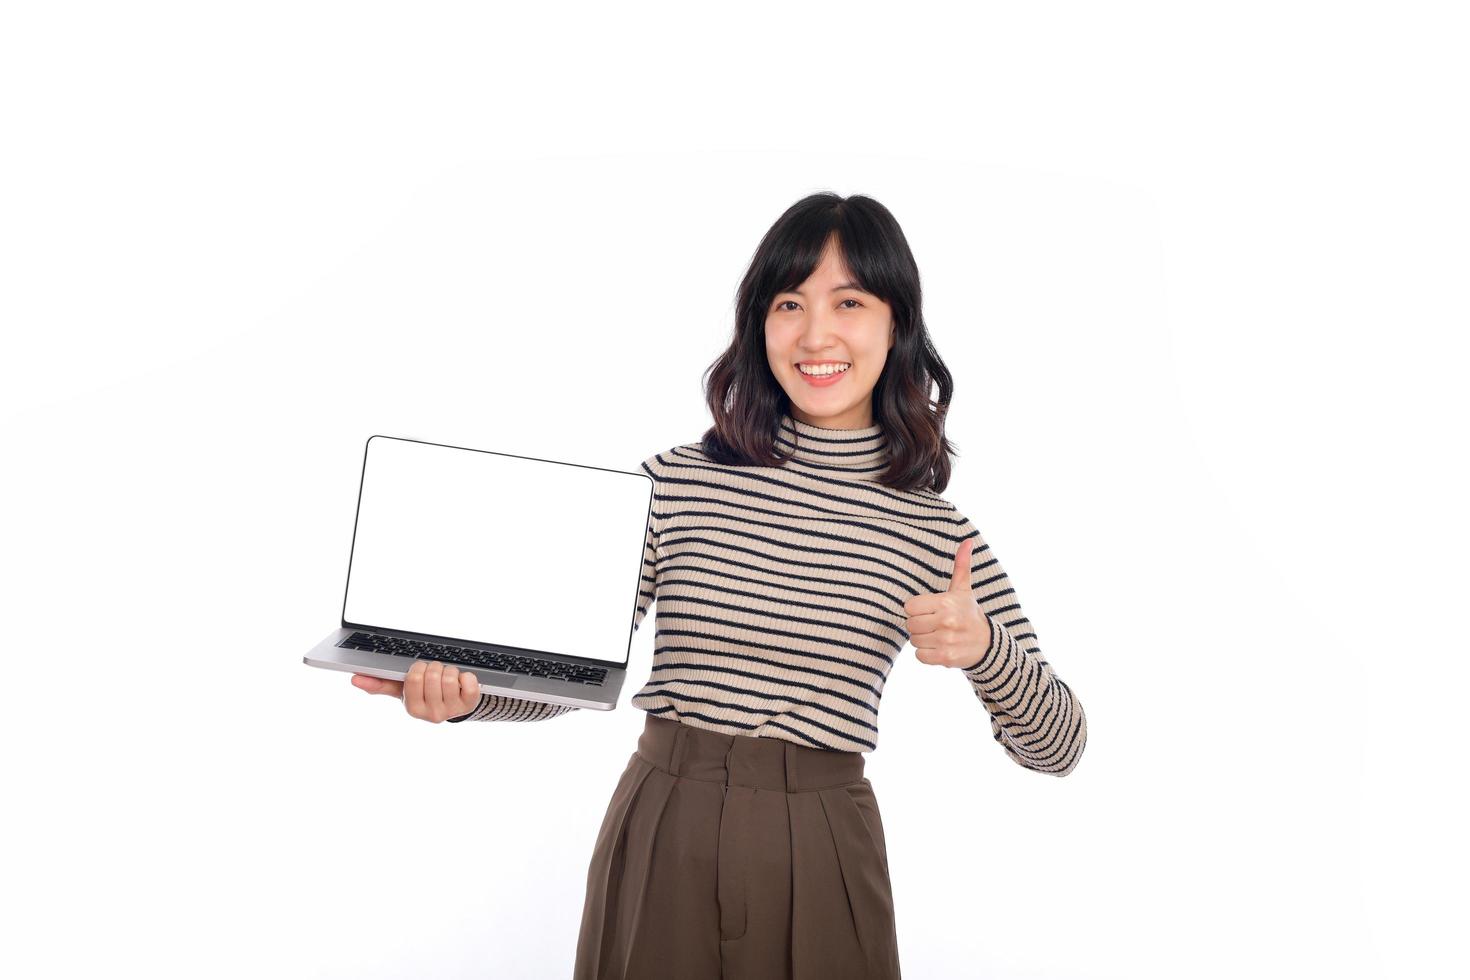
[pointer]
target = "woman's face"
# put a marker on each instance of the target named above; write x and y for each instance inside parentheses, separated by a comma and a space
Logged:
(829, 320)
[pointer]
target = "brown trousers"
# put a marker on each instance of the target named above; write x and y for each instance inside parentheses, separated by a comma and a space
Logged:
(727, 856)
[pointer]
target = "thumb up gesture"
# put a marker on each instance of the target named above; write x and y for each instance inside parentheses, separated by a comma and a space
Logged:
(949, 628)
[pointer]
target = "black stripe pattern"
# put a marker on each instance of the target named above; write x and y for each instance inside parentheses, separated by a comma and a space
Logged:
(780, 594)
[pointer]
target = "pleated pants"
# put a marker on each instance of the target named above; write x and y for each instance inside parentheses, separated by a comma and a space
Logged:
(740, 858)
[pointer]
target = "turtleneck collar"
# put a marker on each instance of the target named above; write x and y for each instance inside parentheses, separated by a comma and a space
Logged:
(859, 453)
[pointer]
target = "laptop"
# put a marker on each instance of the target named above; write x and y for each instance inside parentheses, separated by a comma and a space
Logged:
(524, 571)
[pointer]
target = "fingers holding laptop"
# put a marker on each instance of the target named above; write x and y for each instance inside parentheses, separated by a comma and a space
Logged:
(436, 691)
(433, 691)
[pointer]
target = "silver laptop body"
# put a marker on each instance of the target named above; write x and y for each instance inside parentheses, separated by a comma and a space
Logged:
(524, 571)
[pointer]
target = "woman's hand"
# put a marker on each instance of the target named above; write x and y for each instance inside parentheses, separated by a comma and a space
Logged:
(433, 691)
(949, 628)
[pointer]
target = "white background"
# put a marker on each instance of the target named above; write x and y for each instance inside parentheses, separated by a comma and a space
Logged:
(1198, 270)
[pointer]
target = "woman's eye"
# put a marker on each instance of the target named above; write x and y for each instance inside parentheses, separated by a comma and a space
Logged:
(781, 305)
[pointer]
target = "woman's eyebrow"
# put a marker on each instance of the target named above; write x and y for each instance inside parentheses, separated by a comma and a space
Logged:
(839, 286)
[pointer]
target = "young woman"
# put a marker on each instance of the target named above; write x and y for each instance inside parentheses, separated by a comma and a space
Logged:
(792, 551)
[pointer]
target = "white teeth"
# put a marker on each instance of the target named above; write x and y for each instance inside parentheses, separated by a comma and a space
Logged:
(823, 368)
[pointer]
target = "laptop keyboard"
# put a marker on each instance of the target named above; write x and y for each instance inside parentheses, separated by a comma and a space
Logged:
(484, 659)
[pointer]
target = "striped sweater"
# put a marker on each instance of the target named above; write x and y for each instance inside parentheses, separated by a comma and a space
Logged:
(780, 593)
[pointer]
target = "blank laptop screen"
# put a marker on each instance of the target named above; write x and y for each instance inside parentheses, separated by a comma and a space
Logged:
(501, 549)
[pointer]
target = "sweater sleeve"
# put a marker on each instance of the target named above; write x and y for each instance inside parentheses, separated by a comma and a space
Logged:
(648, 583)
(501, 707)
(1034, 715)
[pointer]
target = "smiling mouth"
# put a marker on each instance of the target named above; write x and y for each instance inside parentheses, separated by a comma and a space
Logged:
(820, 376)
(824, 370)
